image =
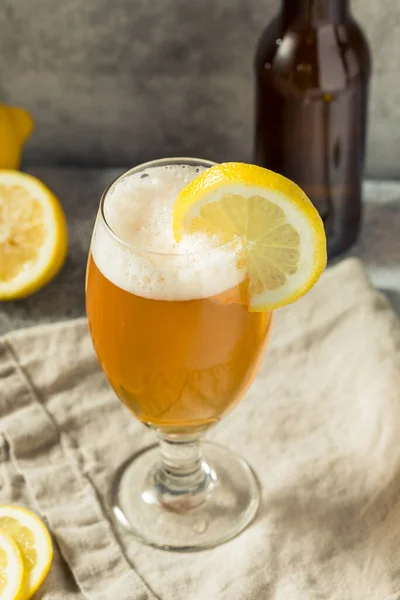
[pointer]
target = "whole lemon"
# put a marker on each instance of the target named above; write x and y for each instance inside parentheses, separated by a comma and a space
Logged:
(16, 125)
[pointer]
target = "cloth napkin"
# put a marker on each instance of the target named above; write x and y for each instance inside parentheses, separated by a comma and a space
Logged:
(319, 425)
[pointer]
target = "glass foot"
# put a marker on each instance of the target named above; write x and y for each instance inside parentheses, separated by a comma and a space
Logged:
(215, 509)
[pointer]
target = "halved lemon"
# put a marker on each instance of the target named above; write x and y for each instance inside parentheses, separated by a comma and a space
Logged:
(33, 235)
(34, 542)
(280, 233)
(11, 568)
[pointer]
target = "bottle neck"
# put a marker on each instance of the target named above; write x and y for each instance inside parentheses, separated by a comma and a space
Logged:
(311, 12)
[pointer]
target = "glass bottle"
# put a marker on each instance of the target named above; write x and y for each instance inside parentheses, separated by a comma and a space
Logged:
(312, 72)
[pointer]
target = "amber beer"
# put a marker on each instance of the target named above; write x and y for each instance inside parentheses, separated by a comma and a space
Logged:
(175, 363)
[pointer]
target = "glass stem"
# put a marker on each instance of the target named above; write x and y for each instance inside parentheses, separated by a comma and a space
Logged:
(181, 474)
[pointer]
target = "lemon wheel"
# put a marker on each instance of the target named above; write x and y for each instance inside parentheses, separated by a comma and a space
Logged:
(11, 568)
(281, 234)
(33, 235)
(33, 540)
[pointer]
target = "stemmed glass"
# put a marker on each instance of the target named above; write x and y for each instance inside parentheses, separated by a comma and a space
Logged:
(175, 338)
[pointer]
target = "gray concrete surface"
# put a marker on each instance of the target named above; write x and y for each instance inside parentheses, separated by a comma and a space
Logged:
(115, 83)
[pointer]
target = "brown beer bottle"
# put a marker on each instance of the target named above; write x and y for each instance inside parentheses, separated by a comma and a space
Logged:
(312, 69)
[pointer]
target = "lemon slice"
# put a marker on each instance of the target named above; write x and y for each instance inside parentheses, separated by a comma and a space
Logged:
(33, 235)
(11, 568)
(34, 542)
(281, 234)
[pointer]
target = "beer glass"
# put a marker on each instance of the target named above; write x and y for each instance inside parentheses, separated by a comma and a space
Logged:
(174, 336)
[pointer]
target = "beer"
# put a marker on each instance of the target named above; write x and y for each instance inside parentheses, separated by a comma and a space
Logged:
(169, 321)
(312, 73)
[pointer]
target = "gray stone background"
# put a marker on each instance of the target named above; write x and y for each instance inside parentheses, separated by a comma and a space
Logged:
(115, 83)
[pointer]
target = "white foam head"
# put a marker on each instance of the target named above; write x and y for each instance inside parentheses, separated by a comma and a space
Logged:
(149, 262)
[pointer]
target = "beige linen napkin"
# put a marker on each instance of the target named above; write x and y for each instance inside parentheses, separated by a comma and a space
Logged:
(320, 426)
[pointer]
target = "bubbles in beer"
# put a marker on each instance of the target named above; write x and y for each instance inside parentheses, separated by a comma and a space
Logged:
(143, 257)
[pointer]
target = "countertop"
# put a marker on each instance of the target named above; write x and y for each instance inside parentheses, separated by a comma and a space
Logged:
(80, 191)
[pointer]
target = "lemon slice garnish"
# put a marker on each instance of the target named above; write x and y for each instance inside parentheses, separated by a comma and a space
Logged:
(11, 568)
(34, 543)
(33, 235)
(281, 234)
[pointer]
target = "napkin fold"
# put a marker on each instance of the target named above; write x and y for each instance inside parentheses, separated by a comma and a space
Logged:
(319, 425)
